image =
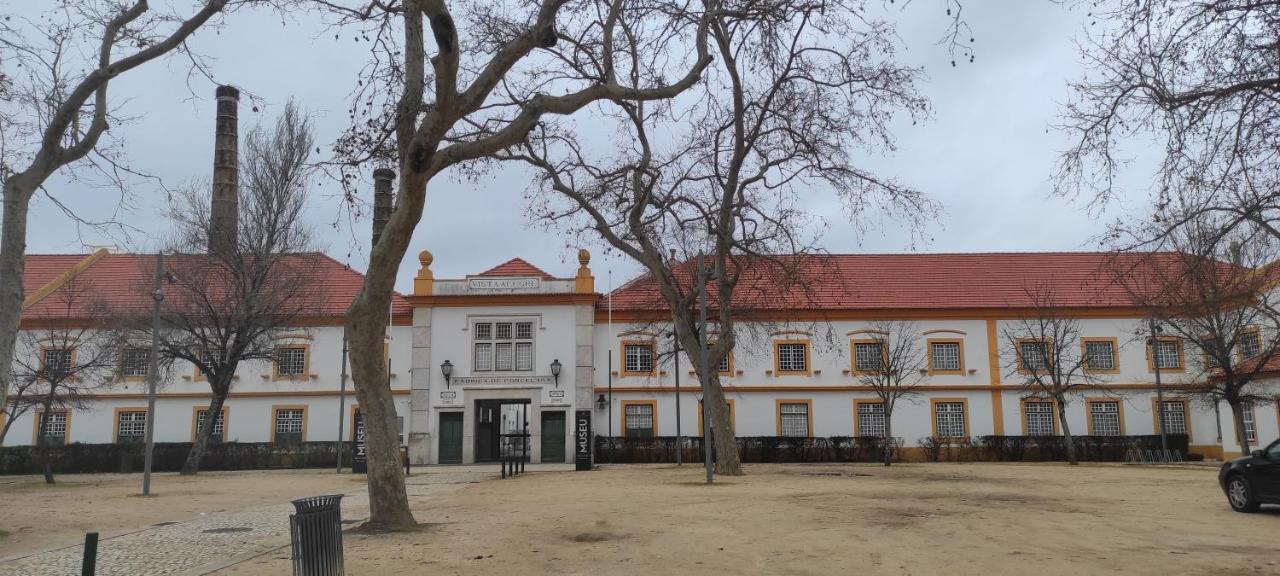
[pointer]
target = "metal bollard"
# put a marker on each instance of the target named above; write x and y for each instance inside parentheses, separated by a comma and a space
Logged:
(90, 562)
(316, 534)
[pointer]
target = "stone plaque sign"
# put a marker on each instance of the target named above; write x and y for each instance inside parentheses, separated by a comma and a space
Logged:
(504, 283)
(501, 380)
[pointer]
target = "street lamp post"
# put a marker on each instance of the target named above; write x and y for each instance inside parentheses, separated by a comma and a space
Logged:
(703, 364)
(153, 373)
(1155, 364)
(675, 346)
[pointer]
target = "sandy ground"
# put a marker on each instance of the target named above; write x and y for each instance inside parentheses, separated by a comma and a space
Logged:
(910, 519)
(36, 516)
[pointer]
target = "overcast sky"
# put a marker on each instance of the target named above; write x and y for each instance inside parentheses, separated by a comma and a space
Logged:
(986, 155)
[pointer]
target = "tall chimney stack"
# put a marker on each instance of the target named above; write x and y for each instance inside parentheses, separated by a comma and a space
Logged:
(383, 200)
(224, 215)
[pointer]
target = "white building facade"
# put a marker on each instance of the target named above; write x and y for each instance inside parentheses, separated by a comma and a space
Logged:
(514, 359)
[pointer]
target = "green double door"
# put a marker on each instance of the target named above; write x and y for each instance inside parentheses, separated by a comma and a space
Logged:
(554, 427)
(450, 437)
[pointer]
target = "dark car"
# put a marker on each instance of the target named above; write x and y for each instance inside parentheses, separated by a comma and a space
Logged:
(1252, 480)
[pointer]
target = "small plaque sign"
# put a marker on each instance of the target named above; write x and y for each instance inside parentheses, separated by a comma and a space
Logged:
(359, 457)
(449, 395)
(557, 393)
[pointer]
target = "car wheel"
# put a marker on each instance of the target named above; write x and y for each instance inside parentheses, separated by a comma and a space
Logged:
(1240, 495)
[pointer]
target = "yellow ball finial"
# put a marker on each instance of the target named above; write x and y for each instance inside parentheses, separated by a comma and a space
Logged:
(584, 257)
(425, 258)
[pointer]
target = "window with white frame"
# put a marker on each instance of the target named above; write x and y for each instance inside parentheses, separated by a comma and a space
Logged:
(1167, 355)
(871, 419)
(793, 419)
(208, 359)
(948, 419)
(54, 427)
(291, 361)
(131, 426)
(1250, 428)
(945, 356)
(1250, 344)
(1034, 355)
(135, 362)
(290, 423)
(639, 421)
(868, 356)
(1174, 413)
(57, 363)
(637, 357)
(502, 346)
(1099, 355)
(1038, 418)
(219, 424)
(1104, 418)
(793, 357)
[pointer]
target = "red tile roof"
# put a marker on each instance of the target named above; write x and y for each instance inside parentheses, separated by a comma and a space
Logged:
(516, 267)
(913, 281)
(123, 283)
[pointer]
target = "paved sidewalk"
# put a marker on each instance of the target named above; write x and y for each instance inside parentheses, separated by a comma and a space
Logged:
(212, 541)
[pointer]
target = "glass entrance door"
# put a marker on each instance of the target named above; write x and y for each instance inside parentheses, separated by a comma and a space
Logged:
(501, 429)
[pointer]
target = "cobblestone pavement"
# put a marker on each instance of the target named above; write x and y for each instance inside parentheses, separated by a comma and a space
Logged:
(210, 541)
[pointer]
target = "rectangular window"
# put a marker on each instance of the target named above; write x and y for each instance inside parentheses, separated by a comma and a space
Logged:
(949, 419)
(725, 366)
(207, 358)
(637, 358)
(57, 363)
(793, 357)
(290, 424)
(868, 356)
(1175, 417)
(871, 419)
(1250, 344)
(1167, 355)
(1250, 428)
(1038, 418)
(291, 361)
(793, 420)
(1104, 418)
(1099, 355)
(733, 426)
(502, 346)
(135, 362)
(219, 425)
(1033, 355)
(639, 421)
(54, 425)
(945, 356)
(131, 426)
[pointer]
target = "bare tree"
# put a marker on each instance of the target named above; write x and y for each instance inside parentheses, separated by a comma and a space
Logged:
(225, 307)
(54, 75)
(1215, 296)
(1201, 77)
(1045, 352)
(72, 355)
(495, 73)
(893, 364)
(796, 90)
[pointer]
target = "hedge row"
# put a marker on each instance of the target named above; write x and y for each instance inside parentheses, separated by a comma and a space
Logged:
(616, 450)
(169, 457)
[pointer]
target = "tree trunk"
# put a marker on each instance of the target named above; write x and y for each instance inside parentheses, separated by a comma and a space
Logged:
(13, 252)
(9, 417)
(886, 446)
(1242, 437)
(42, 447)
(1072, 458)
(727, 460)
(366, 325)
(192, 465)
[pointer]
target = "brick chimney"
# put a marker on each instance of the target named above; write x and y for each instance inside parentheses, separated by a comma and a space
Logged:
(224, 215)
(383, 200)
